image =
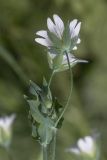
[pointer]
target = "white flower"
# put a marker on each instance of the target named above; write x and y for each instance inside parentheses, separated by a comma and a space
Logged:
(6, 129)
(85, 146)
(63, 63)
(60, 38)
(7, 121)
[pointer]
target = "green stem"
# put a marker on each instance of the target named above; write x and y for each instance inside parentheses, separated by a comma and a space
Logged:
(52, 146)
(51, 78)
(71, 86)
(44, 148)
(49, 150)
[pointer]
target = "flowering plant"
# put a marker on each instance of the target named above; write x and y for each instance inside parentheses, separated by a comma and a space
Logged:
(46, 112)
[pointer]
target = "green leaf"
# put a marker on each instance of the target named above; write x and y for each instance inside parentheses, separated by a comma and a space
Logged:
(45, 131)
(36, 114)
(34, 131)
(34, 88)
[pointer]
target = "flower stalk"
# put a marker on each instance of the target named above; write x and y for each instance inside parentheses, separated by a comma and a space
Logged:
(45, 156)
(49, 150)
(69, 97)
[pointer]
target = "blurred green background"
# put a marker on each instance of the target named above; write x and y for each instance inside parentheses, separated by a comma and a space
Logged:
(22, 59)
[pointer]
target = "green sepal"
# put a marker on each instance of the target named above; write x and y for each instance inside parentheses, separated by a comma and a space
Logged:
(65, 67)
(66, 38)
(50, 60)
(57, 61)
(46, 95)
(55, 40)
(55, 50)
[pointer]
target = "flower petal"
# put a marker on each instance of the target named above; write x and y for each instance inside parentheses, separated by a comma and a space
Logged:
(89, 142)
(72, 27)
(73, 24)
(81, 61)
(51, 26)
(42, 41)
(77, 29)
(81, 145)
(59, 25)
(9, 120)
(42, 33)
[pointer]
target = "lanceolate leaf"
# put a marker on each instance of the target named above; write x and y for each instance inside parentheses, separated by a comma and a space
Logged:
(45, 131)
(35, 110)
(34, 88)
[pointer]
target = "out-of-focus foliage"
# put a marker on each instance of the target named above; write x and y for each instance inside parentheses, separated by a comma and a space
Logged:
(22, 59)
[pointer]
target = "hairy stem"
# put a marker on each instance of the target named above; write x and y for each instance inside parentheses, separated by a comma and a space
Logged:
(44, 148)
(52, 146)
(49, 150)
(69, 97)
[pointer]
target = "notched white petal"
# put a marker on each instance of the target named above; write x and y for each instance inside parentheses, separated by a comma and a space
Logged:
(59, 25)
(89, 141)
(42, 33)
(77, 28)
(51, 25)
(11, 119)
(82, 61)
(42, 41)
(73, 24)
(81, 145)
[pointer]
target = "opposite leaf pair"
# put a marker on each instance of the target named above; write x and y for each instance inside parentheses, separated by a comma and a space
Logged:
(44, 112)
